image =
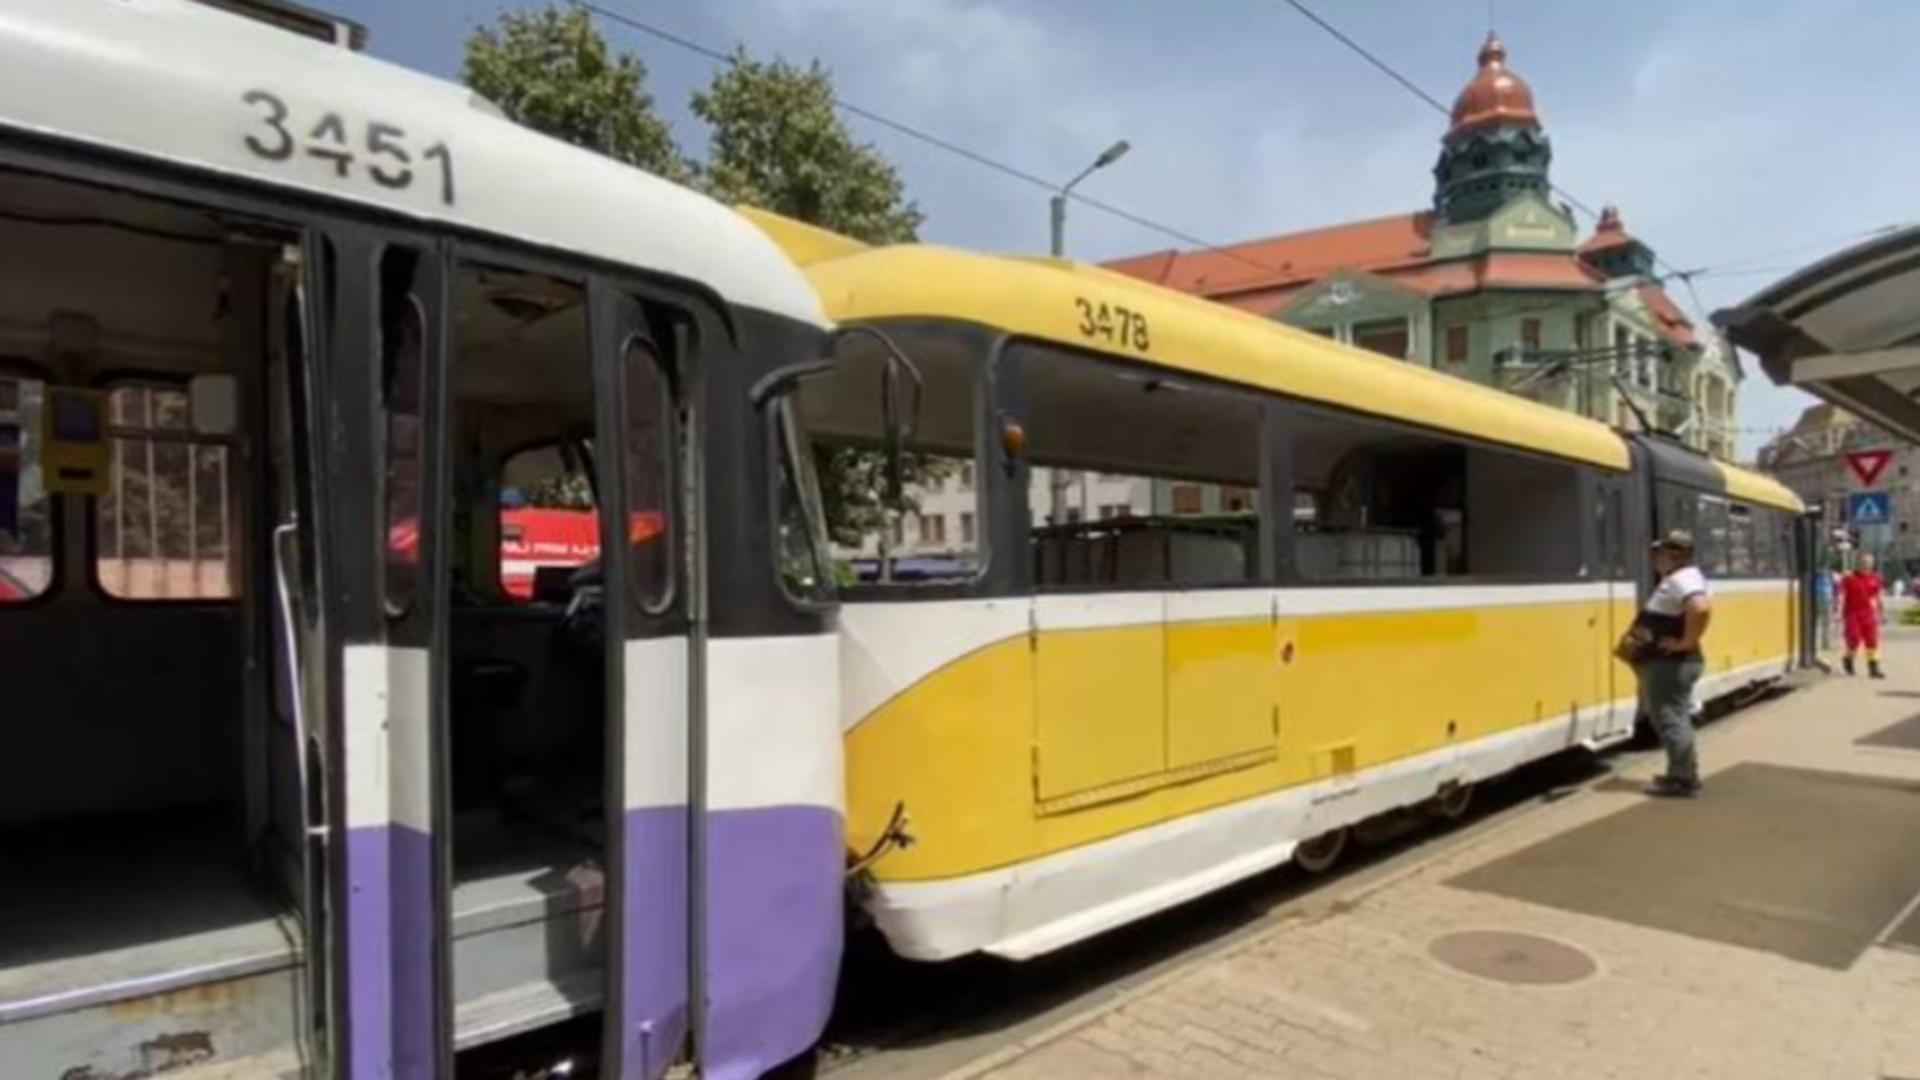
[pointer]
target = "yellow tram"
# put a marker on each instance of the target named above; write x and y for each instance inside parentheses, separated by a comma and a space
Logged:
(1172, 594)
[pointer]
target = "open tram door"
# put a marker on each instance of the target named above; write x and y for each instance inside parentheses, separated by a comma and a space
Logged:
(358, 549)
(299, 632)
(648, 493)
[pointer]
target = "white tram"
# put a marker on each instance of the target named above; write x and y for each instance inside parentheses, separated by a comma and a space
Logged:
(289, 781)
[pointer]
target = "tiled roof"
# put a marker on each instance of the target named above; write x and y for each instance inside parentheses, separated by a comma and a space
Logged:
(1674, 324)
(1290, 259)
(1608, 232)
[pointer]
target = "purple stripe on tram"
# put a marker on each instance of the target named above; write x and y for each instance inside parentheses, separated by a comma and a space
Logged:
(774, 912)
(654, 960)
(389, 927)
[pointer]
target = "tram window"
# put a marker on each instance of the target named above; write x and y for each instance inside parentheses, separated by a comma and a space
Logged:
(547, 516)
(1374, 502)
(403, 336)
(843, 417)
(1740, 541)
(1710, 534)
(1766, 542)
(164, 529)
(1378, 502)
(803, 556)
(648, 421)
(26, 510)
(1138, 480)
(1523, 516)
(523, 412)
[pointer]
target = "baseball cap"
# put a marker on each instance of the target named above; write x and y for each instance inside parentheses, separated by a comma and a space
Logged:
(1675, 540)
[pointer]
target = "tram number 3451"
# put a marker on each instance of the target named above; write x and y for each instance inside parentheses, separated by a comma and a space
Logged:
(389, 155)
(1112, 323)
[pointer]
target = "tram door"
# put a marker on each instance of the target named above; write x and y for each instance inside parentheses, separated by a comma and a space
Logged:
(1613, 682)
(298, 646)
(651, 660)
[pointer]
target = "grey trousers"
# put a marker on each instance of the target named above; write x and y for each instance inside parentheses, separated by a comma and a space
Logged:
(1666, 694)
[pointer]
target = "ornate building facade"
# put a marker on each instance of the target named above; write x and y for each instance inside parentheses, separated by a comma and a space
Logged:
(1493, 283)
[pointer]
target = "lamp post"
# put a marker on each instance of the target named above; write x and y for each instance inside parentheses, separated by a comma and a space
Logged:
(1059, 202)
(1058, 479)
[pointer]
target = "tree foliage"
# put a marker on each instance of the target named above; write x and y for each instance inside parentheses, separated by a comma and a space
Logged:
(552, 71)
(777, 143)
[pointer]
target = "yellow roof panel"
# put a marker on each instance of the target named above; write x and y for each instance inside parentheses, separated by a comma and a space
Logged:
(1755, 487)
(1087, 307)
(804, 244)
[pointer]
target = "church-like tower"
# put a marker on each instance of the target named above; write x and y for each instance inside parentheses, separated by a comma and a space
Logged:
(1495, 148)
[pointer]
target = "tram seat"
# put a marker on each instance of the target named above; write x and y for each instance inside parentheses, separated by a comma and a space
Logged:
(1356, 555)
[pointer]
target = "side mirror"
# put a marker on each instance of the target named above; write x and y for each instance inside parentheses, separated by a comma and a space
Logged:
(781, 380)
(898, 423)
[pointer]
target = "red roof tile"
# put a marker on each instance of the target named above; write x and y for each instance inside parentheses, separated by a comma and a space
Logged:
(1607, 232)
(1292, 258)
(1674, 324)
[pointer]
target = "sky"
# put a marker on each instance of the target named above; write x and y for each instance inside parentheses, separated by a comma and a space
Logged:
(1747, 137)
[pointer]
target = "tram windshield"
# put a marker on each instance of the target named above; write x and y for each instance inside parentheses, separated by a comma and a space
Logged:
(910, 513)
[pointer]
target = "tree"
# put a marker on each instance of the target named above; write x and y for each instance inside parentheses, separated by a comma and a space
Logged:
(551, 70)
(777, 143)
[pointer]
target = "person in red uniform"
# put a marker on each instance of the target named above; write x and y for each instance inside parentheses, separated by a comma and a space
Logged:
(1860, 613)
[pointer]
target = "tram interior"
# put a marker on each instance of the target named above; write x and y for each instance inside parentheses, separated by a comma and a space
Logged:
(527, 702)
(150, 810)
(145, 800)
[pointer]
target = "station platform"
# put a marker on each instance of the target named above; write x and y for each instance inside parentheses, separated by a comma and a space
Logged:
(1770, 928)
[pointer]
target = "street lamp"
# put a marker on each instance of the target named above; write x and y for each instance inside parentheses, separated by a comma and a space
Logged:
(1107, 157)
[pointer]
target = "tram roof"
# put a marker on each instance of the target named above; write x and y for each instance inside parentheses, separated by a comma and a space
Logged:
(166, 80)
(1758, 488)
(1037, 298)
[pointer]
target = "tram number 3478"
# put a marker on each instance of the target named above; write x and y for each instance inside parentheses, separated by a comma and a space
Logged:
(389, 154)
(1113, 324)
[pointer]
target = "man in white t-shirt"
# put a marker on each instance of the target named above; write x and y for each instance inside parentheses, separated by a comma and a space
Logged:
(1669, 662)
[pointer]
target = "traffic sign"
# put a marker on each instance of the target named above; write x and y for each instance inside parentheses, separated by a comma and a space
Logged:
(1869, 464)
(1869, 508)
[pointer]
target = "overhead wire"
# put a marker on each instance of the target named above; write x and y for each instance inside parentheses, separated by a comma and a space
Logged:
(1286, 272)
(918, 134)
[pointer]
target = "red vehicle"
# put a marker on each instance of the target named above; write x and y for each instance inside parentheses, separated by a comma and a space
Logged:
(12, 589)
(530, 539)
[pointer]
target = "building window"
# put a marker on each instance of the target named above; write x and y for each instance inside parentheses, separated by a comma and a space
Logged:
(26, 510)
(1186, 498)
(1456, 344)
(966, 526)
(1622, 353)
(1530, 334)
(1388, 337)
(163, 527)
(933, 528)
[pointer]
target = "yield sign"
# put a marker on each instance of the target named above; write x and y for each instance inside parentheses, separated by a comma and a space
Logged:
(1869, 464)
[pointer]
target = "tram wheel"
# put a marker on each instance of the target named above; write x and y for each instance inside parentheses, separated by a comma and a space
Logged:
(1318, 855)
(1450, 803)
